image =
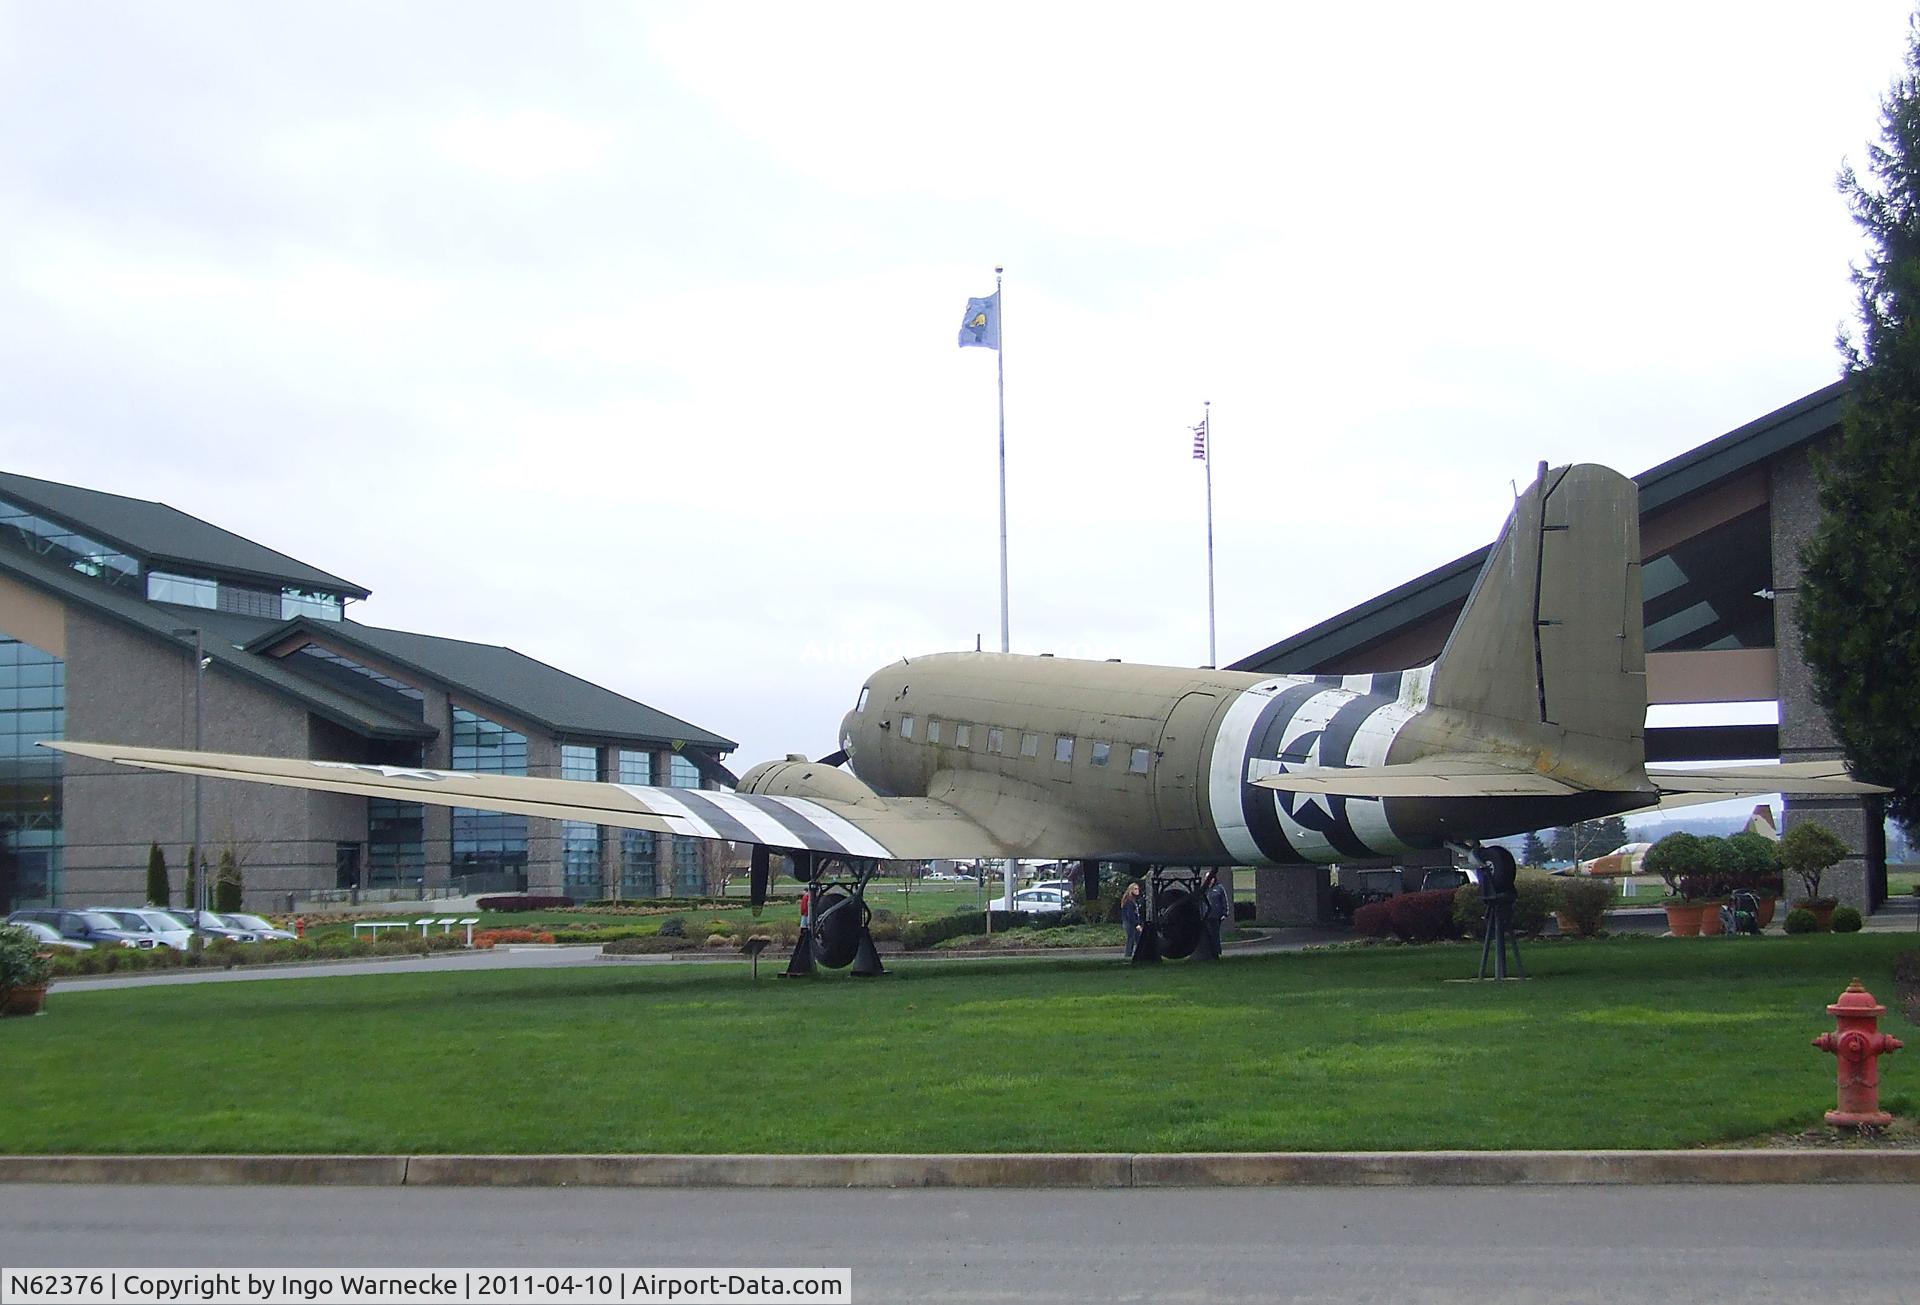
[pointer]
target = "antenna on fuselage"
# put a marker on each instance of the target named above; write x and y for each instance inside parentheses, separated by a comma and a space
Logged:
(976, 641)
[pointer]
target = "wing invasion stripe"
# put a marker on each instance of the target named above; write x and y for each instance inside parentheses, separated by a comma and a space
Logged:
(661, 802)
(852, 839)
(766, 824)
(1260, 807)
(724, 822)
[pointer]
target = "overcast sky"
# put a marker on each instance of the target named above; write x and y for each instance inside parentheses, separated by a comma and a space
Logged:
(627, 335)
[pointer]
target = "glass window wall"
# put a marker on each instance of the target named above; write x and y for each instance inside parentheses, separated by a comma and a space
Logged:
(579, 839)
(33, 706)
(488, 842)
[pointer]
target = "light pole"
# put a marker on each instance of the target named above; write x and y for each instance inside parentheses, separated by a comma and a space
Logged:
(196, 875)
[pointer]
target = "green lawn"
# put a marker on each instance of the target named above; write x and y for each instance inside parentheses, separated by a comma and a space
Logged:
(1624, 1043)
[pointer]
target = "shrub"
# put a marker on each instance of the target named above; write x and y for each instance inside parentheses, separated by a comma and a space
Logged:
(1846, 920)
(921, 934)
(21, 963)
(714, 928)
(489, 937)
(1809, 850)
(1533, 905)
(1583, 904)
(674, 926)
(1801, 920)
(1422, 917)
(522, 902)
(646, 945)
(1374, 919)
(716, 940)
(1243, 912)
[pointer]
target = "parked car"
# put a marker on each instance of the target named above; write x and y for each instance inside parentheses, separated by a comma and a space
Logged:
(48, 936)
(262, 930)
(1036, 900)
(1062, 886)
(85, 926)
(148, 922)
(213, 926)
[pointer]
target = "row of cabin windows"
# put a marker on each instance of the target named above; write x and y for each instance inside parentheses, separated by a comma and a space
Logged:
(1063, 744)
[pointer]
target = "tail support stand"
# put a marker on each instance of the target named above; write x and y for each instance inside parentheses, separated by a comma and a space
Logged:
(1498, 877)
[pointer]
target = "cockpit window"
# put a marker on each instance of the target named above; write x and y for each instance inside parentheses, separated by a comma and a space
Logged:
(862, 704)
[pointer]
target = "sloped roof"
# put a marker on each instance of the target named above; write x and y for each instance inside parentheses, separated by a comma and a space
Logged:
(166, 535)
(1759, 441)
(546, 695)
(221, 632)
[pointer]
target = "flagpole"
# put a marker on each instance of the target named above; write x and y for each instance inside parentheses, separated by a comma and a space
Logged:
(1206, 425)
(1000, 358)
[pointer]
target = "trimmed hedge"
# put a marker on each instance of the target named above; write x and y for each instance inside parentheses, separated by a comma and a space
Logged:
(648, 945)
(522, 902)
(1422, 917)
(1801, 920)
(922, 934)
(1582, 905)
(1846, 920)
(1374, 919)
(489, 937)
(1533, 904)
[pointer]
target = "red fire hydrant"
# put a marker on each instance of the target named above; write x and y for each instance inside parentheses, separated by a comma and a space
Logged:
(1859, 1044)
(299, 926)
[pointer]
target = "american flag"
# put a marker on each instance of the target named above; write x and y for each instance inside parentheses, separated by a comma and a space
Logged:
(1200, 442)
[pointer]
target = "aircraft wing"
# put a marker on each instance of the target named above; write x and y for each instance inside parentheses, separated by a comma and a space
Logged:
(883, 828)
(1449, 775)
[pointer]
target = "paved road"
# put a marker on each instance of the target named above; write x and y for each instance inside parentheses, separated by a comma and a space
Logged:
(1745, 1244)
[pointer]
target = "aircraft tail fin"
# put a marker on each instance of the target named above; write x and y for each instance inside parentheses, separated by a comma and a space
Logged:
(1550, 643)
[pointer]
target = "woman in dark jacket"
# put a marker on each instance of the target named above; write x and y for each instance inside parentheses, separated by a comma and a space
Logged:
(1130, 915)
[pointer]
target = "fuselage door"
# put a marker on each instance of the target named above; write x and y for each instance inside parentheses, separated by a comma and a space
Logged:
(1180, 771)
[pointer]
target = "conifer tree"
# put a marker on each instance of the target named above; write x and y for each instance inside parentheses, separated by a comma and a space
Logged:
(159, 891)
(1859, 600)
(226, 885)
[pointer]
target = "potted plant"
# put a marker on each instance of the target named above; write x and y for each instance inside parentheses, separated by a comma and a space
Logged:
(1677, 859)
(1756, 869)
(1809, 850)
(24, 971)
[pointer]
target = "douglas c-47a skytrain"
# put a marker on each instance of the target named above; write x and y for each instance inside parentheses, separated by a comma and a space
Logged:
(1532, 716)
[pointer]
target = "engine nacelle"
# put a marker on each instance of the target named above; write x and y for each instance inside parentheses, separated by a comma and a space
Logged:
(809, 779)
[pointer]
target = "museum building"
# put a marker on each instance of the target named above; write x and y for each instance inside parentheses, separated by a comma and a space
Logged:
(103, 600)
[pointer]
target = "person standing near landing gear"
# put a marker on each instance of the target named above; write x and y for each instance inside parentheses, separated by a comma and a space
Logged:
(1217, 908)
(1130, 916)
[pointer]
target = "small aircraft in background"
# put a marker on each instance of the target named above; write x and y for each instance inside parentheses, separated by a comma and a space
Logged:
(1532, 716)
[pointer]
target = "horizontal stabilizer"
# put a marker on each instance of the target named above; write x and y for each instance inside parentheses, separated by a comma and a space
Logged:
(1468, 775)
(1793, 778)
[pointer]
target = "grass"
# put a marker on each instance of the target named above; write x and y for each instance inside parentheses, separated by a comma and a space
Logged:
(1624, 1043)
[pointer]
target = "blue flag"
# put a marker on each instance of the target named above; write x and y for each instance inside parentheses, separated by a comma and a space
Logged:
(981, 326)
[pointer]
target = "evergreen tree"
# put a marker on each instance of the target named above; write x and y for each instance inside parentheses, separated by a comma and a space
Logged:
(1533, 851)
(226, 886)
(1859, 599)
(159, 891)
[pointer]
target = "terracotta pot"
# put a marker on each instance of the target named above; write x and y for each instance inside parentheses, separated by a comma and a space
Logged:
(1710, 918)
(23, 1001)
(1766, 910)
(1683, 919)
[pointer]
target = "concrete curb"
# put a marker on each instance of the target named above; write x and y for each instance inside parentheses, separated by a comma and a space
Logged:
(1085, 1170)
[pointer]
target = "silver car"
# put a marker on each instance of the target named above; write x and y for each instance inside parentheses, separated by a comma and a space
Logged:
(147, 922)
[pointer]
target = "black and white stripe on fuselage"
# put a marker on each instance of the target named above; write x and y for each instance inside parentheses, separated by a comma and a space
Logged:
(1292, 722)
(785, 822)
